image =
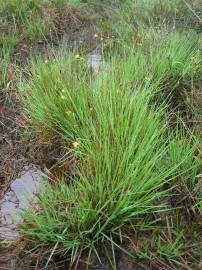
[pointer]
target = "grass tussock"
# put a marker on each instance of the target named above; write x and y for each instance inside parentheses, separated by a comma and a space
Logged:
(127, 157)
(132, 130)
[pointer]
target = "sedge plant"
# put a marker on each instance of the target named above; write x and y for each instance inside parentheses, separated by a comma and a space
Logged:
(120, 140)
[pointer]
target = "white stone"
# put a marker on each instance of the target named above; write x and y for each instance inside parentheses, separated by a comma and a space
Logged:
(23, 192)
(94, 62)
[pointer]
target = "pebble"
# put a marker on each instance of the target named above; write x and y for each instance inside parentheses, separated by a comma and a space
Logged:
(94, 62)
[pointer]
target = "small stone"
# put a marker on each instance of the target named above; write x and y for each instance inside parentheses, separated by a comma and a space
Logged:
(94, 62)
(8, 234)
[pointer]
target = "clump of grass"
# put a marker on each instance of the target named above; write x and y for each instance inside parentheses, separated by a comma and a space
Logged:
(32, 22)
(128, 160)
(119, 140)
(7, 44)
(29, 17)
(126, 19)
(19, 10)
(166, 250)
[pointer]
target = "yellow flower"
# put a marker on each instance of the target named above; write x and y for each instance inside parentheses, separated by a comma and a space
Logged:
(46, 61)
(101, 38)
(68, 112)
(138, 43)
(96, 35)
(63, 97)
(77, 56)
(63, 91)
(75, 144)
(176, 10)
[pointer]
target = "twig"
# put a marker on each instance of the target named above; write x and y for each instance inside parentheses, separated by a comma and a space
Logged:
(13, 121)
(38, 260)
(1, 123)
(78, 259)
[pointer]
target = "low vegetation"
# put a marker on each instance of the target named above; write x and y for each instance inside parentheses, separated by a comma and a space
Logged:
(131, 133)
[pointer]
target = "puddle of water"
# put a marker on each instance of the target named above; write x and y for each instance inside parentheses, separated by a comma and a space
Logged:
(22, 193)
